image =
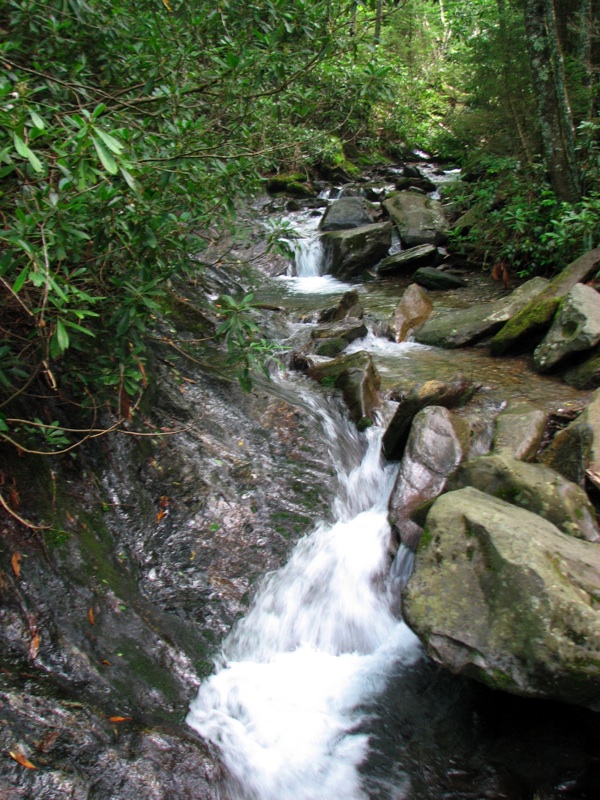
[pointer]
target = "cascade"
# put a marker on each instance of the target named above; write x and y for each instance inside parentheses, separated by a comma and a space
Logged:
(289, 694)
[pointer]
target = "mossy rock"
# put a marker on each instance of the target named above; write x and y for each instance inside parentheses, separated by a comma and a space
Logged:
(585, 375)
(527, 328)
(330, 347)
(295, 184)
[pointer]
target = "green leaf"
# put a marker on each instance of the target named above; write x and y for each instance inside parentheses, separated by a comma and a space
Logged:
(113, 144)
(105, 156)
(129, 179)
(62, 337)
(24, 151)
(37, 120)
(20, 282)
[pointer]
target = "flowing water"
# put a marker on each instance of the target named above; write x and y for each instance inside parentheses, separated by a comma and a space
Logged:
(321, 692)
(317, 646)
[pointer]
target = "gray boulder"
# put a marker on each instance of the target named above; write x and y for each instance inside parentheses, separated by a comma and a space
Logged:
(347, 212)
(455, 392)
(501, 595)
(575, 327)
(519, 430)
(535, 487)
(575, 451)
(467, 326)
(413, 309)
(433, 452)
(348, 253)
(407, 261)
(418, 218)
(432, 278)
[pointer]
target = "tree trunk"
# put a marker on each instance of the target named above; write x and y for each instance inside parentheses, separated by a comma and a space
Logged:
(554, 113)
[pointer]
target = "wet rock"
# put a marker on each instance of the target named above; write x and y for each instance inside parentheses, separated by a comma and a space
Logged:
(535, 487)
(295, 184)
(413, 309)
(407, 261)
(347, 329)
(357, 378)
(432, 278)
(575, 327)
(350, 252)
(501, 595)
(519, 430)
(329, 348)
(432, 393)
(467, 326)
(585, 375)
(347, 212)
(433, 451)
(419, 219)
(576, 449)
(526, 329)
(420, 183)
(348, 306)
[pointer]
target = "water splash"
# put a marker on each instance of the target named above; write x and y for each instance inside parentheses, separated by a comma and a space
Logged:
(287, 700)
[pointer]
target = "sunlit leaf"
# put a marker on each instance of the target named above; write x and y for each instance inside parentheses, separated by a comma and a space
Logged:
(37, 120)
(105, 156)
(21, 759)
(113, 144)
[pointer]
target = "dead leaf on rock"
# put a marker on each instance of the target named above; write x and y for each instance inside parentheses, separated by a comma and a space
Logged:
(34, 647)
(16, 563)
(20, 759)
(91, 616)
(119, 719)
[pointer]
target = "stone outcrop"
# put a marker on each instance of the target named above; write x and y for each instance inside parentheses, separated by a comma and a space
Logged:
(347, 212)
(575, 327)
(413, 309)
(419, 219)
(535, 487)
(519, 430)
(348, 253)
(431, 393)
(357, 378)
(527, 328)
(432, 453)
(407, 261)
(467, 326)
(435, 279)
(501, 595)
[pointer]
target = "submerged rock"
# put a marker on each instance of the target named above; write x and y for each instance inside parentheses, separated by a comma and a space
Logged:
(419, 219)
(535, 487)
(467, 326)
(501, 595)
(575, 327)
(348, 253)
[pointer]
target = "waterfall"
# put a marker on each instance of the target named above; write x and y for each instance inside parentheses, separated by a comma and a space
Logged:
(309, 256)
(296, 675)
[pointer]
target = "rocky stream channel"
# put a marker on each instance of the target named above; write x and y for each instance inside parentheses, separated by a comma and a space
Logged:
(375, 577)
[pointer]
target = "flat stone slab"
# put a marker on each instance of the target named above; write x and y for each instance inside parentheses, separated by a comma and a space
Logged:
(436, 279)
(519, 430)
(407, 261)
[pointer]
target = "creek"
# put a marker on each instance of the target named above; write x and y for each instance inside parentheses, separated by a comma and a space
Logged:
(321, 692)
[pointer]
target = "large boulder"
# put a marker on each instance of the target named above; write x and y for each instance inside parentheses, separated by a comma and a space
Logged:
(347, 212)
(501, 595)
(527, 328)
(535, 487)
(467, 326)
(350, 252)
(413, 309)
(450, 394)
(576, 327)
(435, 279)
(357, 378)
(575, 451)
(519, 429)
(418, 218)
(407, 261)
(348, 306)
(433, 451)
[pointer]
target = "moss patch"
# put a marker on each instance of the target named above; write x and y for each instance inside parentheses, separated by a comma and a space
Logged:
(526, 328)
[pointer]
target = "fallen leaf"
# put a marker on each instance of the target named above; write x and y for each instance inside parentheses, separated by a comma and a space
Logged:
(34, 647)
(167, 6)
(15, 500)
(105, 662)
(160, 515)
(119, 719)
(20, 759)
(16, 563)
(47, 741)
(91, 616)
